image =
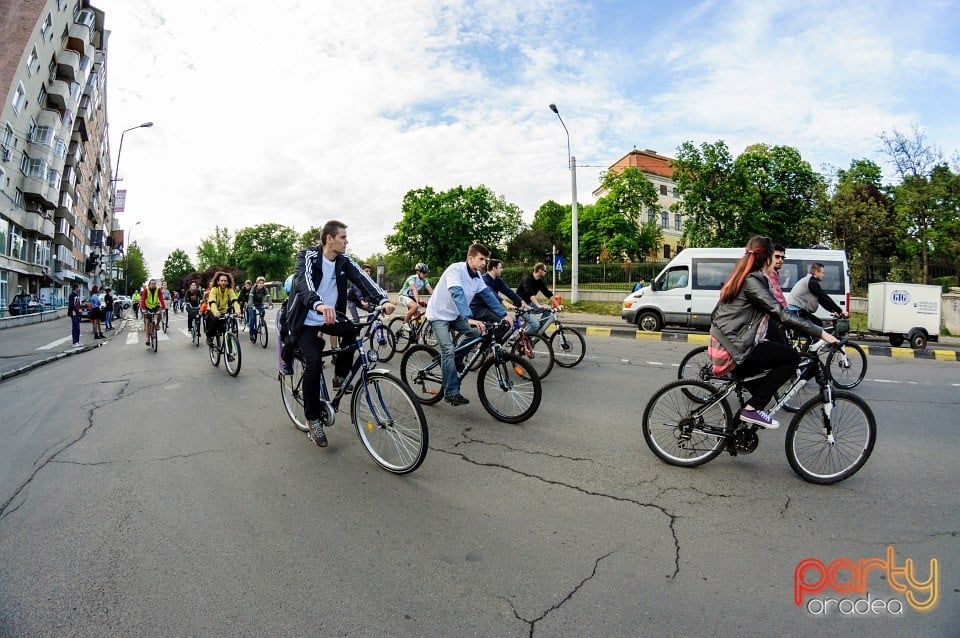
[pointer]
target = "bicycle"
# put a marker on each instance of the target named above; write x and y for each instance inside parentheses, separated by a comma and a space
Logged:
(537, 350)
(166, 319)
(417, 331)
(153, 317)
(382, 340)
(260, 331)
(689, 422)
(509, 387)
(386, 414)
(195, 326)
(226, 343)
(569, 346)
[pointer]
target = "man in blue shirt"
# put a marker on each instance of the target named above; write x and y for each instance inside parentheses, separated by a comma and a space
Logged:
(494, 281)
(449, 308)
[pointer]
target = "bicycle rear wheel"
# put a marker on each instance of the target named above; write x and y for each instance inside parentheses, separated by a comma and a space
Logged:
(846, 368)
(153, 339)
(232, 359)
(420, 370)
(823, 457)
(195, 331)
(215, 349)
(390, 423)
(696, 365)
(383, 342)
(541, 355)
(509, 389)
(673, 419)
(291, 391)
(569, 347)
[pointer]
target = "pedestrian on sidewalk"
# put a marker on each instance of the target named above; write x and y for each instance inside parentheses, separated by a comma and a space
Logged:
(108, 310)
(96, 312)
(73, 310)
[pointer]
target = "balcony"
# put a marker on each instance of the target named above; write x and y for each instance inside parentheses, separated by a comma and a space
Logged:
(39, 189)
(49, 118)
(63, 240)
(78, 38)
(80, 133)
(58, 94)
(68, 65)
(40, 223)
(74, 155)
(63, 212)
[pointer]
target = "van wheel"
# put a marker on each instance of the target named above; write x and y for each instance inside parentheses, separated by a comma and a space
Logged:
(896, 340)
(649, 322)
(918, 339)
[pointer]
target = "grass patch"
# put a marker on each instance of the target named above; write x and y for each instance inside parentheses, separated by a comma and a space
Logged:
(610, 308)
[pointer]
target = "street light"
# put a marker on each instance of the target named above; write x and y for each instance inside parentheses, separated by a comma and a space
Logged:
(574, 232)
(116, 177)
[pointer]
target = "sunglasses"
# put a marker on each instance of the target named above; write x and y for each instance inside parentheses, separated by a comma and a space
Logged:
(778, 256)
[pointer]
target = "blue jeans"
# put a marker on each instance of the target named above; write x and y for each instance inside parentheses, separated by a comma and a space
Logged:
(75, 327)
(108, 318)
(535, 319)
(441, 330)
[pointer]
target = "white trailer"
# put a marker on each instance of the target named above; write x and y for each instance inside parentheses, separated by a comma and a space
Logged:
(904, 312)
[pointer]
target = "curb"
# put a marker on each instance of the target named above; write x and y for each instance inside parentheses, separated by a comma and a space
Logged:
(703, 339)
(56, 357)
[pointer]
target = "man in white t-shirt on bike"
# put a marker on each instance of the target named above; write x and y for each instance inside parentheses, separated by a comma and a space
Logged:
(410, 292)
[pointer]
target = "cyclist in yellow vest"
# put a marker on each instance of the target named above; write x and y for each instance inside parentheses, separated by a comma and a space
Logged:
(150, 301)
(222, 297)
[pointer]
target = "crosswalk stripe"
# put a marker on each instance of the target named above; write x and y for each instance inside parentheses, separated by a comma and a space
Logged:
(54, 344)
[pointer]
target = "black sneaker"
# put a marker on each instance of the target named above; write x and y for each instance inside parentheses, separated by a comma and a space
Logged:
(315, 433)
(456, 399)
(337, 382)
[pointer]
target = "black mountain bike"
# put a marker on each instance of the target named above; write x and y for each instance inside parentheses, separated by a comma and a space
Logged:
(386, 414)
(687, 423)
(508, 385)
(260, 328)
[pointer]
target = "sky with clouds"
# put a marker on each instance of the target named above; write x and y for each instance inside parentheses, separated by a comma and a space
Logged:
(298, 112)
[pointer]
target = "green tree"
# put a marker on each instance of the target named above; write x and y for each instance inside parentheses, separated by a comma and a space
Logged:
(438, 227)
(530, 246)
(615, 221)
(176, 267)
(767, 190)
(135, 269)
(215, 250)
(265, 249)
(552, 221)
(310, 238)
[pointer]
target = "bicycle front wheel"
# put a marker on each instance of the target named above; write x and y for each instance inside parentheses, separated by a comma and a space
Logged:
(427, 337)
(569, 347)
(540, 354)
(847, 367)
(154, 340)
(195, 330)
(231, 359)
(420, 370)
(509, 389)
(390, 422)
(403, 337)
(674, 421)
(291, 391)
(263, 333)
(827, 446)
(383, 342)
(696, 365)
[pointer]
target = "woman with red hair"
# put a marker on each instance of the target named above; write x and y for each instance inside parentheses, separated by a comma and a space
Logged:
(739, 327)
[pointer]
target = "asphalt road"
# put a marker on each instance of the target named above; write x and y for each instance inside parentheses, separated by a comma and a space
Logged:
(152, 494)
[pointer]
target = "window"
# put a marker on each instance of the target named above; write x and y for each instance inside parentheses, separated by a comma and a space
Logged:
(677, 222)
(663, 189)
(53, 178)
(46, 29)
(18, 245)
(63, 226)
(41, 135)
(675, 192)
(42, 96)
(84, 17)
(60, 148)
(36, 167)
(4, 231)
(18, 198)
(32, 60)
(4, 288)
(666, 251)
(676, 278)
(651, 215)
(664, 219)
(7, 139)
(19, 98)
(3, 179)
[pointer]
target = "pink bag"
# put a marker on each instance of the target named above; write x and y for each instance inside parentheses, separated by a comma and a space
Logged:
(723, 363)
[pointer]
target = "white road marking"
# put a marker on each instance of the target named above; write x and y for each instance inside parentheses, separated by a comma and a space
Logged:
(134, 337)
(54, 344)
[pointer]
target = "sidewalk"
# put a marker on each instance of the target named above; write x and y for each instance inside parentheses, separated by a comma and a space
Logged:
(946, 349)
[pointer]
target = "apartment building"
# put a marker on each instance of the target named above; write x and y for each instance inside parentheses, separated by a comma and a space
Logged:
(657, 169)
(55, 186)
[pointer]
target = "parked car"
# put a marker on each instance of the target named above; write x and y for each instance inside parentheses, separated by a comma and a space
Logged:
(125, 301)
(84, 310)
(23, 303)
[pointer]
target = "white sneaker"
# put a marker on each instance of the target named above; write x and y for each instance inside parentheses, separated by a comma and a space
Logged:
(78, 345)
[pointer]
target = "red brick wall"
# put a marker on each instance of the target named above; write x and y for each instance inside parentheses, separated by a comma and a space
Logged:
(18, 21)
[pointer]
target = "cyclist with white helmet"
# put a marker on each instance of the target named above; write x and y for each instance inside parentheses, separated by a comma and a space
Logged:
(410, 291)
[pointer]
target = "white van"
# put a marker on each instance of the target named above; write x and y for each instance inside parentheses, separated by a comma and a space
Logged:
(688, 288)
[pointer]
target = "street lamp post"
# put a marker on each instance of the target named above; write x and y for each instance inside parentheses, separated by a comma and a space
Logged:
(116, 177)
(574, 232)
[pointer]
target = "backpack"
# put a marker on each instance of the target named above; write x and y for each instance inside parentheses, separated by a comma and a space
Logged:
(723, 362)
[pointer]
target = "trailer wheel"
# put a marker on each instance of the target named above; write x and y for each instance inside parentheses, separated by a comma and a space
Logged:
(917, 338)
(896, 340)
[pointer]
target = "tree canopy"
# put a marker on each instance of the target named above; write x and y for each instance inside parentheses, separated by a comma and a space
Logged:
(265, 250)
(216, 250)
(437, 227)
(176, 267)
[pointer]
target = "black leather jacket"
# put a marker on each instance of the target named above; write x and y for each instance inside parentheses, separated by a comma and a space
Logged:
(735, 324)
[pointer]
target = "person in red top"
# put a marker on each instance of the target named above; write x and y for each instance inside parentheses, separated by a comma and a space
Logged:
(772, 271)
(150, 301)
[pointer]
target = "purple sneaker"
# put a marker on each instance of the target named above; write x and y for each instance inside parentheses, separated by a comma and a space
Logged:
(758, 417)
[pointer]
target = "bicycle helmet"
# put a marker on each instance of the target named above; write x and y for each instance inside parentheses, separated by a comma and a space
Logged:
(422, 267)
